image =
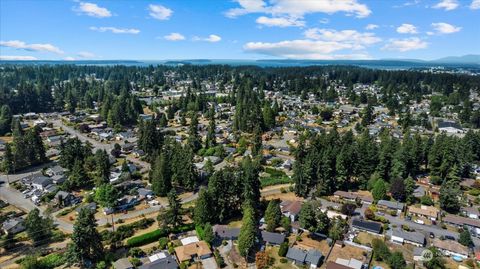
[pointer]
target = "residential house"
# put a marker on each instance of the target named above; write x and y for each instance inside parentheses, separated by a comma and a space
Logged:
(13, 226)
(424, 211)
(41, 182)
(197, 250)
(353, 196)
(367, 226)
(123, 263)
(450, 127)
(451, 248)
(65, 198)
(144, 193)
(274, 239)
(414, 238)
(472, 224)
(392, 206)
(56, 170)
(312, 258)
(167, 262)
(471, 212)
(90, 206)
(291, 209)
(224, 232)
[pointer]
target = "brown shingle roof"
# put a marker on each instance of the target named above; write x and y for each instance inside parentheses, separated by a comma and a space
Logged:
(187, 252)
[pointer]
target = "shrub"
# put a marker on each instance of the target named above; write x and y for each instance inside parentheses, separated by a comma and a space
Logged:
(146, 238)
(136, 252)
(283, 260)
(219, 259)
(162, 242)
(282, 251)
(52, 260)
(135, 261)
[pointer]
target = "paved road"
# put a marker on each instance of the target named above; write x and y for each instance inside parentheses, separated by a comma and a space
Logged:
(15, 198)
(99, 145)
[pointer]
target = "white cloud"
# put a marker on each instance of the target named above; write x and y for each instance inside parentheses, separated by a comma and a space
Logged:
(407, 29)
(280, 22)
(69, 58)
(17, 58)
(160, 12)
(445, 28)
(371, 26)
(93, 10)
(174, 37)
(407, 44)
(303, 49)
(475, 4)
(324, 21)
(447, 4)
(85, 54)
(356, 39)
(17, 44)
(115, 30)
(210, 38)
(298, 9)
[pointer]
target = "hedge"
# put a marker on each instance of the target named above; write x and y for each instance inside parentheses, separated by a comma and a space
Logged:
(153, 236)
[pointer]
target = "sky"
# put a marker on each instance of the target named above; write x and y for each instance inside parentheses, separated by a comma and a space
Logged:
(238, 29)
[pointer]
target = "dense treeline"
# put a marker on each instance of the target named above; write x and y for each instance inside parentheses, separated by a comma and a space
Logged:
(47, 88)
(329, 162)
(26, 149)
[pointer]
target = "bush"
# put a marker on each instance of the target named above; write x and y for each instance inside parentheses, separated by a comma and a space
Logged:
(283, 260)
(219, 259)
(52, 260)
(135, 261)
(282, 251)
(136, 252)
(153, 236)
(162, 242)
(146, 238)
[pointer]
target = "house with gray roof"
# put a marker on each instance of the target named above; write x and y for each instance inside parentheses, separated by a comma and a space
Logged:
(272, 238)
(169, 262)
(41, 182)
(414, 238)
(13, 226)
(391, 205)
(225, 232)
(312, 258)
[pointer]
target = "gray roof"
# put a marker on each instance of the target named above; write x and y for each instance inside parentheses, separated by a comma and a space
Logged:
(418, 251)
(144, 192)
(370, 226)
(43, 181)
(64, 194)
(11, 223)
(273, 238)
(168, 263)
(296, 254)
(224, 231)
(122, 263)
(314, 257)
(392, 205)
(409, 236)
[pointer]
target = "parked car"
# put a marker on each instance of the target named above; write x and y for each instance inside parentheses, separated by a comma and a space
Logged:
(419, 221)
(449, 237)
(432, 235)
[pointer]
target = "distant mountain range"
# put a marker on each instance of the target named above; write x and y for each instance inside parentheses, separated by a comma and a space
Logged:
(467, 59)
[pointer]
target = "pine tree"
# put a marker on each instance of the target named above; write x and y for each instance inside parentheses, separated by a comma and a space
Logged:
(273, 215)
(251, 190)
(379, 191)
(210, 141)
(86, 243)
(248, 232)
(202, 213)
(160, 176)
(193, 137)
(8, 165)
(174, 212)
(39, 229)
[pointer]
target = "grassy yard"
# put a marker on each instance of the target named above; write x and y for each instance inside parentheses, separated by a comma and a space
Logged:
(274, 177)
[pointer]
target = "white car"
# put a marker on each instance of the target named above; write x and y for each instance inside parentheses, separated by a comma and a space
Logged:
(419, 221)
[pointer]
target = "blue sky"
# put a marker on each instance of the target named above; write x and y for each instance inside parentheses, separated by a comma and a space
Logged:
(243, 29)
